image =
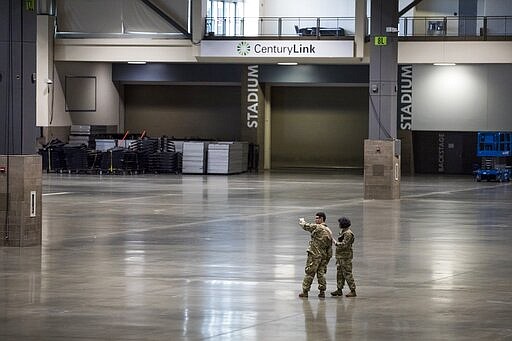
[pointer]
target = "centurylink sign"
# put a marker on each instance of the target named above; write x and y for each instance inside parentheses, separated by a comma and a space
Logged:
(265, 48)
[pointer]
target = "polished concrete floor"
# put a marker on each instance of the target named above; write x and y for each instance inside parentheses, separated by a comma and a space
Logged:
(222, 258)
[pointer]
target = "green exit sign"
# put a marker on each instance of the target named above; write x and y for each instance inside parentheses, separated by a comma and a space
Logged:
(381, 40)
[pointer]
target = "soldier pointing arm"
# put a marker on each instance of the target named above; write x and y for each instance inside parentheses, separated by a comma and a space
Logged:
(319, 253)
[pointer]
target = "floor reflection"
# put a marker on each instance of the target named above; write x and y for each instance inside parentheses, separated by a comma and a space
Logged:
(344, 318)
(315, 325)
(221, 258)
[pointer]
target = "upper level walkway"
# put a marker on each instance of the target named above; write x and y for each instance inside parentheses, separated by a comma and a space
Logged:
(421, 40)
(415, 28)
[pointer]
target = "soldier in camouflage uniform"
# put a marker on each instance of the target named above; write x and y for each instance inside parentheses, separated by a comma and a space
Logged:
(319, 253)
(344, 257)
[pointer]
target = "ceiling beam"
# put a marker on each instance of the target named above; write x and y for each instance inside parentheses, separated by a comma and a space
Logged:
(408, 7)
(166, 17)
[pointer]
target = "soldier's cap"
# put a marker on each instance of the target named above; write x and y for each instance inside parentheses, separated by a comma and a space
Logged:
(344, 222)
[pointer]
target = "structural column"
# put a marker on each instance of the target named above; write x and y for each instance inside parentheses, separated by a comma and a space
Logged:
(361, 23)
(20, 169)
(382, 150)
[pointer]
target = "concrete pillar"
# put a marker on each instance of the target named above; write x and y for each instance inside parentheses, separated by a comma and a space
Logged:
(20, 200)
(198, 14)
(381, 171)
(361, 26)
(18, 132)
(20, 172)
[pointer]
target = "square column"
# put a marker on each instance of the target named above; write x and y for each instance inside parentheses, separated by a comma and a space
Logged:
(382, 169)
(382, 150)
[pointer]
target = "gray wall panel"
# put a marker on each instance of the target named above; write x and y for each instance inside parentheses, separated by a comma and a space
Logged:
(161, 72)
(4, 98)
(17, 64)
(327, 74)
(107, 99)
(319, 127)
(499, 97)
(16, 119)
(30, 131)
(4, 21)
(29, 25)
(206, 112)
(231, 73)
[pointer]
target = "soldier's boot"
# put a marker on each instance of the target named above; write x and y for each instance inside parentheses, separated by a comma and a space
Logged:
(321, 294)
(352, 293)
(337, 293)
(303, 294)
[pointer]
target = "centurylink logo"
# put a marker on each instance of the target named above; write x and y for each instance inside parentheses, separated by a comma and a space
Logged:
(243, 48)
(275, 49)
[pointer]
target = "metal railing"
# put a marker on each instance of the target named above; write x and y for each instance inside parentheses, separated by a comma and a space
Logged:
(477, 28)
(333, 27)
(470, 28)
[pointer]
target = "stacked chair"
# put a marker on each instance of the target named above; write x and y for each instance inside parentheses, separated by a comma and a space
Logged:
(53, 156)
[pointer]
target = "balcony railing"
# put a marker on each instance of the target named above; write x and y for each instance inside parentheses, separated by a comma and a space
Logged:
(307, 27)
(470, 28)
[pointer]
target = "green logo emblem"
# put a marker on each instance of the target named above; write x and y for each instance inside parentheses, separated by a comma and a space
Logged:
(243, 48)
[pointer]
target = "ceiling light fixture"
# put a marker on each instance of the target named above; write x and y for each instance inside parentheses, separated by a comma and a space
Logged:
(137, 62)
(288, 63)
(444, 64)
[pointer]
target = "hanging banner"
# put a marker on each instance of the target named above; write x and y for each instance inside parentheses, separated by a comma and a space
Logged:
(252, 105)
(404, 97)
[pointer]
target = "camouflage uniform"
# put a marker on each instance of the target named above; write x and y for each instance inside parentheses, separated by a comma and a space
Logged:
(344, 257)
(319, 254)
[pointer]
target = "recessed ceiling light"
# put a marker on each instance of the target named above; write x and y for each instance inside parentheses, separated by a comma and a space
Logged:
(444, 64)
(137, 62)
(288, 63)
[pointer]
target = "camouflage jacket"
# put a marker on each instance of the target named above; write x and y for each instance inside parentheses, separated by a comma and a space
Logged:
(344, 245)
(320, 244)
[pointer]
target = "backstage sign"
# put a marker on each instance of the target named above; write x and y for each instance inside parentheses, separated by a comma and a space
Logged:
(405, 97)
(440, 152)
(276, 49)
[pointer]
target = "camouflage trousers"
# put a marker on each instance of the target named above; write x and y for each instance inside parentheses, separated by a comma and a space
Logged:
(315, 266)
(344, 273)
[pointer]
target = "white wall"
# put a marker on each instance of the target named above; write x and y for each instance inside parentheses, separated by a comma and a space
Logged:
(107, 97)
(495, 7)
(428, 8)
(118, 16)
(251, 15)
(499, 25)
(449, 7)
(462, 97)
(308, 8)
(461, 52)
(402, 4)
(308, 11)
